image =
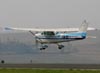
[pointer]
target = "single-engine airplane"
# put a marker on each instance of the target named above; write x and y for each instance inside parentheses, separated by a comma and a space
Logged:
(57, 36)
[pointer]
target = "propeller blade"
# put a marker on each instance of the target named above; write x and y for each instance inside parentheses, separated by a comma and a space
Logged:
(36, 42)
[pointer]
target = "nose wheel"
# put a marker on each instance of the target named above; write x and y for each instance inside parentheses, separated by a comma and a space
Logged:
(43, 47)
(60, 46)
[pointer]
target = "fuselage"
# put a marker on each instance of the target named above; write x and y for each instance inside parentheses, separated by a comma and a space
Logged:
(60, 37)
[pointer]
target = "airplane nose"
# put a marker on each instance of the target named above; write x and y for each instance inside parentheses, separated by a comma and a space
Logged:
(37, 34)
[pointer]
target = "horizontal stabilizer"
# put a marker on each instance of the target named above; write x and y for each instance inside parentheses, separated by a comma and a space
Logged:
(89, 37)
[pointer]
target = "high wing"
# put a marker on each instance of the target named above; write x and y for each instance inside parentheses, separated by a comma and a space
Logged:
(55, 30)
(84, 24)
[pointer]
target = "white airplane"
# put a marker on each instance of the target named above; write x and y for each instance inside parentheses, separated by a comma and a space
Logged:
(57, 36)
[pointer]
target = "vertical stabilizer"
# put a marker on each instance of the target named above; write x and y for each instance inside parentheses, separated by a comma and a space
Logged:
(83, 27)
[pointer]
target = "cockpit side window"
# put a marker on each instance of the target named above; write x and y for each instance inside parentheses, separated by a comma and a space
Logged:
(48, 33)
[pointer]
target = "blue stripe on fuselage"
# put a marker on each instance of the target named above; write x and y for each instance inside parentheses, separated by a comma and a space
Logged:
(83, 34)
(76, 35)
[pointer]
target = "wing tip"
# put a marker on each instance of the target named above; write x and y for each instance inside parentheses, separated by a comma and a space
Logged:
(7, 28)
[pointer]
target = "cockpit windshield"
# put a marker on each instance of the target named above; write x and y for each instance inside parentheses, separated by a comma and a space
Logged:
(48, 33)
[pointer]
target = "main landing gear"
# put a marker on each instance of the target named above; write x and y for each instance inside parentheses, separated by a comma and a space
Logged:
(43, 47)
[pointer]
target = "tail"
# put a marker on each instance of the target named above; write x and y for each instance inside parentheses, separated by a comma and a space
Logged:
(83, 27)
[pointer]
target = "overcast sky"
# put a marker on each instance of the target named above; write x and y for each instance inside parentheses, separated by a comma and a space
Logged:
(49, 13)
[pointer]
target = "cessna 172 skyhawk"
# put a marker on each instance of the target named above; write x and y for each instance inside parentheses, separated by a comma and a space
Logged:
(57, 36)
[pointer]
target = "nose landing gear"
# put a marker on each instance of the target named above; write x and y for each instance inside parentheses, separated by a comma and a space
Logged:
(43, 47)
(60, 46)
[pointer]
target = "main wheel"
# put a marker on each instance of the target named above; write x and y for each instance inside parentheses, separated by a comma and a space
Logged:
(59, 47)
(42, 48)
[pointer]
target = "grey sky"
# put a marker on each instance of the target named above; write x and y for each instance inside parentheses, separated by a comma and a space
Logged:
(49, 13)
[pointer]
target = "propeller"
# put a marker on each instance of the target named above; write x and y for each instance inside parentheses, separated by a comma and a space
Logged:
(36, 41)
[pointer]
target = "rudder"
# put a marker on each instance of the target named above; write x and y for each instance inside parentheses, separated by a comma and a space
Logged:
(83, 27)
